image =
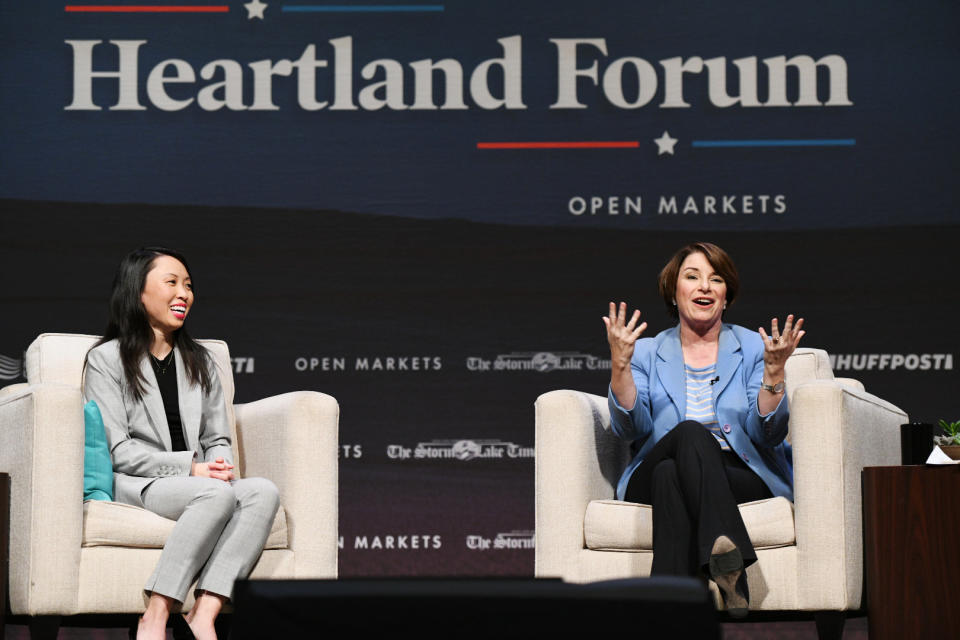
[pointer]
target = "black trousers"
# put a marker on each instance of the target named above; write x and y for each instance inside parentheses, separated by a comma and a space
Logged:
(694, 487)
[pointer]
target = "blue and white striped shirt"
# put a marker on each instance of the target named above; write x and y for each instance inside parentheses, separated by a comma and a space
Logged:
(700, 399)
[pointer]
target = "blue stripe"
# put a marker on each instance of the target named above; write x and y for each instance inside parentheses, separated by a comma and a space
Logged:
(813, 142)
(700, 397)
(367, 8)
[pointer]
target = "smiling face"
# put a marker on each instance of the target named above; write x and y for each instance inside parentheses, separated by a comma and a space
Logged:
(701, 293)
(167, 294)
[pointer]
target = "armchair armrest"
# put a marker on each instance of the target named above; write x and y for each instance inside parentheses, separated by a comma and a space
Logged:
(292, 439)
(836, 431)
(851, 382)
(578, 459)
(41, 447)
(12, 389)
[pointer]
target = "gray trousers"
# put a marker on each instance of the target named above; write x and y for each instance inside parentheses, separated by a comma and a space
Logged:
(221, 529)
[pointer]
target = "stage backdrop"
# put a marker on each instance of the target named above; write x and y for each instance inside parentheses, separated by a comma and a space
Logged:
(423, 209)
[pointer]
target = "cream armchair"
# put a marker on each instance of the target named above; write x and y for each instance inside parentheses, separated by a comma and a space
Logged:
(69, 557)
(809, 552)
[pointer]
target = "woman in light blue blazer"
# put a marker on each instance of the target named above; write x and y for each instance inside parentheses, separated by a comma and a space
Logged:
(169, 435)
(704, 408)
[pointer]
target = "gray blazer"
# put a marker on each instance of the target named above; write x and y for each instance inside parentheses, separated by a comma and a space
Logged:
(137, 431)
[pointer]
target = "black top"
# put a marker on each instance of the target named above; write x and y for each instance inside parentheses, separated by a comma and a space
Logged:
(166, 373)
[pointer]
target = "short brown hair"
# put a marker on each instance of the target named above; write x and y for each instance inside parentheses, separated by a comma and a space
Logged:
(717, 258)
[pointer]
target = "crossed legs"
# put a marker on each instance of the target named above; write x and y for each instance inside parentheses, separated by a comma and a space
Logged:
(221, 529)
(694, 488)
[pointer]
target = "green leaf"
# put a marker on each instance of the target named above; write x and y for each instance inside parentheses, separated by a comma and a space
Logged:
(950, 428)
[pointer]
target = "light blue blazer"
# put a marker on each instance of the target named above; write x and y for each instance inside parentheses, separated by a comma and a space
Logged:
(137, 430)
(661, 404)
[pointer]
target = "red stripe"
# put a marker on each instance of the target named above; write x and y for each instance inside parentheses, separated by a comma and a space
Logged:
(168, 8)
(624, 144)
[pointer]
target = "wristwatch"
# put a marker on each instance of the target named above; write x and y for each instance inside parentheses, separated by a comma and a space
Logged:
(772, 388)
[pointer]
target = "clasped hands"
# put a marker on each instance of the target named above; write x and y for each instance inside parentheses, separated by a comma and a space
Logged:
(218, 469)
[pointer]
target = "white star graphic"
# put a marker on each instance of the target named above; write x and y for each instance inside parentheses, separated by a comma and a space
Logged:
(255, 9)
(665, 144)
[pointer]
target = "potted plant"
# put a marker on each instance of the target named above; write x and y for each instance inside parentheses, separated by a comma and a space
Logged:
(949, 442)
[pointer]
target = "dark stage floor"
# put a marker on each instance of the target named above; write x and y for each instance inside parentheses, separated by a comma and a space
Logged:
(855, 629)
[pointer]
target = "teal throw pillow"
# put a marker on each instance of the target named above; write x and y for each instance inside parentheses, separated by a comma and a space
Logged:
(97, 466)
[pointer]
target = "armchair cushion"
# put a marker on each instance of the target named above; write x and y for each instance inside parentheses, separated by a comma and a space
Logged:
(97, 466)
(113, 524)
(613, 525)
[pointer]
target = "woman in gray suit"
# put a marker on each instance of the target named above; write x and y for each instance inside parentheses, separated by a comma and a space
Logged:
(169, 436)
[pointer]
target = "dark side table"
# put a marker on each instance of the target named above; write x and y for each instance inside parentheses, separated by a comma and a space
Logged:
(911, 519)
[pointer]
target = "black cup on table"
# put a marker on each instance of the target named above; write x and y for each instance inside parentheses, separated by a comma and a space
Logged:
(916, 442)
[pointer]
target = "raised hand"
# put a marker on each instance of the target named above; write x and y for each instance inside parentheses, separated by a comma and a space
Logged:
(779, 345)
(622, 335)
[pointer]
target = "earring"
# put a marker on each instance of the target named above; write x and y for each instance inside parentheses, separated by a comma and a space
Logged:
(674, 303)
(724, 306)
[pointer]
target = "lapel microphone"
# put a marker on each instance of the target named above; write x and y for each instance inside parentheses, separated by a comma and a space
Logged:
(714, 381)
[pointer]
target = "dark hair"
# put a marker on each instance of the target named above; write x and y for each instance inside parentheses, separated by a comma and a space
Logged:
(129, 326)
(717, 258)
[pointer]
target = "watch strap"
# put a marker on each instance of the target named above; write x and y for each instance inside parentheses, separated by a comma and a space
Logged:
(772, 388)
